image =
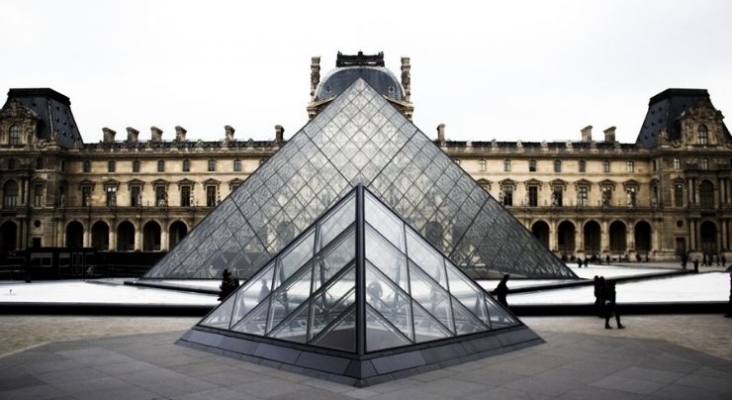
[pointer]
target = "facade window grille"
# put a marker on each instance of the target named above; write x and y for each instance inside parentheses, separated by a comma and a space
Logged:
(136, 196)
(582, 196)
(532, 165)
(558, 196)
(10, 191)
(582, 166)
(136, 166)
(210, 196)
(111, 166)
(161, 196)
(678, 195)
(533, 196)
(237, 165)
(702, 135)
(482, 165)
(606, 166)
(607, 196)
(186, 166)
(705, 163)
(14, 138)
(630, 166)
(86, 166)
(507, 193)
(185, 196)
(161, 165)
(706, 194)
(86, 196)
(211, 165)
(37, 195)
(111, 193)
(677, 164)
(507, 165)
(557, 165)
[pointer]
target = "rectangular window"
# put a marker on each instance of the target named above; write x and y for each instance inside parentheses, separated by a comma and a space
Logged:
(482, 165)
(210, 196)
(582, 166)
(86, 196)
(532, 165)
(507, 165)
(607, 196)
(582, 196)
(630, 166)
(161, 197)
(211, 165)
(678, 195)
(111, 192)
(135, 197)
(677, 163)
(533, 196)
(557, 166)
(237, 165)
(558, 196)
(606, 166)
(705, 163)
(185, 196)
(507, 195)
(37, 195)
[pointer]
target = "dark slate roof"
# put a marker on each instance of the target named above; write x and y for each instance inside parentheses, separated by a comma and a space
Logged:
(380, 78)
(54, 113)
(663, 111)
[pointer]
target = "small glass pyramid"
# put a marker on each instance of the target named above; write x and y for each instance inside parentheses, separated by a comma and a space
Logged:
(360, 139)
(357, 283)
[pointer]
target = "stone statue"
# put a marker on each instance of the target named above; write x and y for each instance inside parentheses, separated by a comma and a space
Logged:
(314, 75)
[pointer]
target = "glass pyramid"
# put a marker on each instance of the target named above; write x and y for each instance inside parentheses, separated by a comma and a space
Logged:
(359, 285)
(360, 139)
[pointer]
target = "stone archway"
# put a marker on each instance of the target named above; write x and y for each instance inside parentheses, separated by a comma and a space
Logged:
(565, 237)
(8, 236)
(708, 237)
(642, 237)
(151, 236)
(618, 238)
(178, 230)
(540, 229)
(125, 236)
(100, 236)
(592, 238)
(74, 234)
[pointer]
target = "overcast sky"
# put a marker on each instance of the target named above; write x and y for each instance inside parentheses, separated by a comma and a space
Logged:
(504, 70)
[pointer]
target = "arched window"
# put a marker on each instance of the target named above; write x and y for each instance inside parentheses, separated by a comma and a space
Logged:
(11, 194)
(161, 165)
(87, 166)
(557, 165)
(582, 166)
(706, 194)
(111, 166)
(702, 134)
(136, 166)
(211, 165)
(14, 138)
(237, 165)
(186, 165)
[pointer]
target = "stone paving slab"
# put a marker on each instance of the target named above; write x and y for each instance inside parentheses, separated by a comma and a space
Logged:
(587, 363)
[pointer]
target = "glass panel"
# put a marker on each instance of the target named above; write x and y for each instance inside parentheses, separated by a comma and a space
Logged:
(426, 257)
(220, 317)
(340, 255)
(431, 296)
(426, 327)
(465, 321)
(336, 222)
(499, 317)
(296, 256)
(341, 335)
(380, 334)
(465, 290)
(390, 261)
(384, 221)
(253, 292)
(287, 298)
(294, 329)
(332, 301)
(389, 301)
(255, 322)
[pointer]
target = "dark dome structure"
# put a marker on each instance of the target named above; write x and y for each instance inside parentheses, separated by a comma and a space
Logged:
(378, 77)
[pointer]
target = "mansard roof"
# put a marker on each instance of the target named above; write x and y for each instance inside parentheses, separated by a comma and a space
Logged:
(54, 113)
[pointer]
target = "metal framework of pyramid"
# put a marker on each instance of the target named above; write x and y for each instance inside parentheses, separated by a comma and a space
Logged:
(359, 298)
(360, 139)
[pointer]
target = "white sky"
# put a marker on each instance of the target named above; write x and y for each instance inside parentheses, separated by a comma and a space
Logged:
(504, 70)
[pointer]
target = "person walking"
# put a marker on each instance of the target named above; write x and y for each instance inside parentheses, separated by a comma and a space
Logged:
(611, 307)
(501, 291)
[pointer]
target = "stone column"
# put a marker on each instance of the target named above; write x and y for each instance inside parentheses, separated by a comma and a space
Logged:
(579, 243)
(604, 236)
(112, 238)
(164, 239)
(138, 237)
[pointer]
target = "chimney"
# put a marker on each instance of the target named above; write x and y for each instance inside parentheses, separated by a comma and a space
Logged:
(407, 78)
(132, 135)
(587, 133)
(229, 133)
(156, 135)
(610, 134)
(279, 134)
(441, 134)
(108, 135)
(180, 134)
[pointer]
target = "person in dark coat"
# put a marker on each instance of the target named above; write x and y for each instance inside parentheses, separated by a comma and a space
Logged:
(228, 285)
(501, 290)
(696, 265)
(729, 304)
(599, 282)
(611, 307)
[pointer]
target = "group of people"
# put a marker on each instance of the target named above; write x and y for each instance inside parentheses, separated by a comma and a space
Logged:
(605, 301)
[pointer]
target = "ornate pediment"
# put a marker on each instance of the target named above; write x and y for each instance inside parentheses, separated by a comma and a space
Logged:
(533, 182)
(13, 109)
(211, 182)
(186, 182)
(136, 182)
(583, 183)
(608, 183)
(630, 183)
